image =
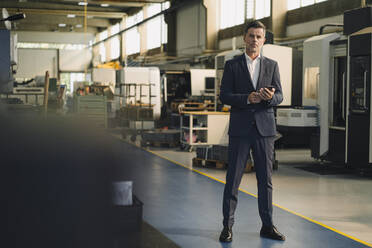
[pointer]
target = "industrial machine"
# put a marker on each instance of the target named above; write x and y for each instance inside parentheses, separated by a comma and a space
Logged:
(6, 75)
(358, 150)
(337, 82)
(324, 67)
(8, 51)
(332, 106)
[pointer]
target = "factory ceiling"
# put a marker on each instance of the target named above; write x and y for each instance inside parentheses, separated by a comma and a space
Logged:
(70, 15)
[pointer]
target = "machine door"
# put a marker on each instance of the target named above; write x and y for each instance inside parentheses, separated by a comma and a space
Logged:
(359, 114)
(337, 130)
(339, 92)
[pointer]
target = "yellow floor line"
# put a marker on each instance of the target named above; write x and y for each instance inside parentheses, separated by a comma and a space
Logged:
(283, 208)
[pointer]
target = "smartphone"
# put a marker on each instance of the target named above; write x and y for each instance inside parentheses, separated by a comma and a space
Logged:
(270, 87)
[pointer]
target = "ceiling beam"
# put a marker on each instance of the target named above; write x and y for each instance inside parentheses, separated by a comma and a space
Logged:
(58, 6)
(134, 3)
(51, 28)
(110, 15)
(112, 3)
(52, 19)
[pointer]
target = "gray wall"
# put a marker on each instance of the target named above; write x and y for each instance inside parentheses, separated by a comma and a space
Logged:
(191, 30)
(55, 37)
(34, 62)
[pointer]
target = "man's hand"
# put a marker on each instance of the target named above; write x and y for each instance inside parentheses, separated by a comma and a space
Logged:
(254, 97)
(266, 94)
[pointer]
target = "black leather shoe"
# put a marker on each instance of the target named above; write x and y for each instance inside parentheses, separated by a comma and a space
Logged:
(226, 235)
(271, 233)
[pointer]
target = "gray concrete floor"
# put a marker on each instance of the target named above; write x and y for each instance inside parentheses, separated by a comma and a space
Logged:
(342, 202)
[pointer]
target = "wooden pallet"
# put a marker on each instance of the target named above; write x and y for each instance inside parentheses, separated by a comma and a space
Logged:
(208, 163)
(192, 106)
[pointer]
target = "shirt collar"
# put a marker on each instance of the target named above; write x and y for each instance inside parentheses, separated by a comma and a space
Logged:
(251, 60)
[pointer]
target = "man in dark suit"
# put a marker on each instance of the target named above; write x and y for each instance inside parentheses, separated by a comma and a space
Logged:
(251, 86)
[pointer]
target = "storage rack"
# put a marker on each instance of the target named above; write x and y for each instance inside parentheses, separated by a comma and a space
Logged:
(133, 98)
(210, 128)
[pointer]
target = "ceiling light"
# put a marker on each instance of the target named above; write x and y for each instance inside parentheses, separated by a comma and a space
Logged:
(83, 3)
(104, 5)
(71, 16)
(62, 25)
(79, 26)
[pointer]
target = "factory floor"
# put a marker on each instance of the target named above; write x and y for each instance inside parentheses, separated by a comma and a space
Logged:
(312, 210)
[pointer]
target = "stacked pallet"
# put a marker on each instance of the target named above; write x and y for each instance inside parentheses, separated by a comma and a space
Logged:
(135, 113)
(161, 138)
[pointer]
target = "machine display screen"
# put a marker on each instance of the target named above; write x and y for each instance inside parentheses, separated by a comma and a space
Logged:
(209, 83)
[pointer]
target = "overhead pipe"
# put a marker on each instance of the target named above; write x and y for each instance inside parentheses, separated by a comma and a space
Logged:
(329, 25)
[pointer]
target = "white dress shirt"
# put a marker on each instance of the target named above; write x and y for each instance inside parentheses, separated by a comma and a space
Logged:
(253, 68)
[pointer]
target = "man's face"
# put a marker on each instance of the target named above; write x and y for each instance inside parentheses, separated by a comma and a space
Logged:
(254, 40)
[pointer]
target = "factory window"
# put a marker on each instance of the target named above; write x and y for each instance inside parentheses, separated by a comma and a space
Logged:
(164, 31)
(153, 9)
(69, 79)
(102, 48)
(132, 36)
(115, 42)
(235, 12)
(156, 27)
(102, 52)
(232, 13)
(115, 29)
(115, 47)
(295, 4)
(258, 9)
(134, 19)
(132, 41)
(164, 26)
(153, 26)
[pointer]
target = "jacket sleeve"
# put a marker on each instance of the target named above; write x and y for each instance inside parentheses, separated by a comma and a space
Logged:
(278, 95)
(227, 94)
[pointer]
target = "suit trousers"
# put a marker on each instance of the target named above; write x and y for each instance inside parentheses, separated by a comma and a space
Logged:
(263, 154)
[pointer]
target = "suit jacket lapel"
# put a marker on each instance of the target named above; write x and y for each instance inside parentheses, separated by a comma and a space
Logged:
(262, 70)
(245, 70)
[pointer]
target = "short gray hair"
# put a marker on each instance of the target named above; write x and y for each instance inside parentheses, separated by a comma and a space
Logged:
(255, 24)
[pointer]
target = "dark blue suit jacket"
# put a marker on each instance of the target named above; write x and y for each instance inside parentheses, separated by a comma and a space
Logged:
(237, 84)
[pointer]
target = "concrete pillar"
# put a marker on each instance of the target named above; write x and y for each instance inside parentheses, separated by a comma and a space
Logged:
(171, 20)
(278, 18)
(122, 39)
(143, 33)
(108, 45)
(212, 9)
